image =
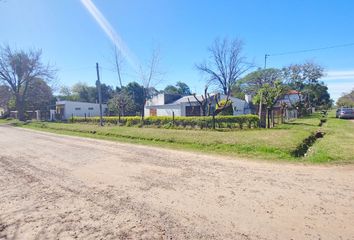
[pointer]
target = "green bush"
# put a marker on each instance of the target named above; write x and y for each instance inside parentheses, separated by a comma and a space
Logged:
(240, 121)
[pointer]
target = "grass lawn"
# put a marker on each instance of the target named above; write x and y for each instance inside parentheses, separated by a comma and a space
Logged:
(338, 143)
(3, 121)
(270, 144)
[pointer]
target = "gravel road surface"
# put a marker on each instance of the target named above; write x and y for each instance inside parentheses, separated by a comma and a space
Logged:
(60, 187)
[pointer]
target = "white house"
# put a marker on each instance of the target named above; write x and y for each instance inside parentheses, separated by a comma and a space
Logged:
(67, 109)
(2, 111)
(169, 104)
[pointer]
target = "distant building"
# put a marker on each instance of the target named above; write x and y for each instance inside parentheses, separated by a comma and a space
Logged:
(2, 111)
(291, 98)
(67, 109)
(286, 105)
(169, 104)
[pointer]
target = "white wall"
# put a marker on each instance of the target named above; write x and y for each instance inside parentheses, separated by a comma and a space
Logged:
(79, 109)
(164, 110)
(238, 105)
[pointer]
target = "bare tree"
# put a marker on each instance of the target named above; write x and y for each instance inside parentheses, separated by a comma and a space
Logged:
(206, 101)
(150, 76)
(226, 64)
(18, 69)
(5, 96)
(118, 64)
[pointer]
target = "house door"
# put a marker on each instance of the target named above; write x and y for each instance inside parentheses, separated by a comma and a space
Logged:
(193, 111)
(153, 112)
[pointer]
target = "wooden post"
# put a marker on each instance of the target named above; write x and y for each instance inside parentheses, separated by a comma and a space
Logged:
(98, 85)
(173, 118)
(213, 120)
(85, 118)
(72, 118)
(260, 110)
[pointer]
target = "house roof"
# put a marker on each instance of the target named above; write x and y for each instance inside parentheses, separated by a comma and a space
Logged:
(293, 92)
(191, 98)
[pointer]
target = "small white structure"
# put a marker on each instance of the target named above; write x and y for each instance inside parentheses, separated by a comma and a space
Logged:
(169, 104)
(2, 111)
(68, 109)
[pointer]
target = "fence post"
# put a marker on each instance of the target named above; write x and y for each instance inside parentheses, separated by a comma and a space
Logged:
(85, 118)
(214, 121)
(72, 118)
(173, 118)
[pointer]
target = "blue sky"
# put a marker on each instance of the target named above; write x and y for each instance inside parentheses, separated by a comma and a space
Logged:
(73, 41)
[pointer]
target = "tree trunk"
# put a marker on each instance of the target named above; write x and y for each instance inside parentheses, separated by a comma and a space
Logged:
(268, 118)
(20, 107)
(273, 124)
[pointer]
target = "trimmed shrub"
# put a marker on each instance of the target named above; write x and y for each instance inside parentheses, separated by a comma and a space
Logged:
(241, 121)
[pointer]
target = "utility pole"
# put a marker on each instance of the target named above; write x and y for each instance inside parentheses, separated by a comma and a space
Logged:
(265, 60)
(98, 86)
(260, 101)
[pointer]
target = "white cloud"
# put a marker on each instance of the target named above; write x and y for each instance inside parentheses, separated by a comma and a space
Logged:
(110, 32)
(339, 82)
(339, 75)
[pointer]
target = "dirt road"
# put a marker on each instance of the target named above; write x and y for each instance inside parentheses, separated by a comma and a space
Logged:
(58, 187)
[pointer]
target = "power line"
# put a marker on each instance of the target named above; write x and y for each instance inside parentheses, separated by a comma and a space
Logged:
(311, 50)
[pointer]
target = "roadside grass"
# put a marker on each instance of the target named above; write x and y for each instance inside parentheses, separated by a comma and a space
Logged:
(337, 145)
(7, 121)
(267, 144)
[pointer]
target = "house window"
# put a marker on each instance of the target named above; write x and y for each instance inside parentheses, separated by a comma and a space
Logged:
(193, 111)
(77, 109)
(90, 108)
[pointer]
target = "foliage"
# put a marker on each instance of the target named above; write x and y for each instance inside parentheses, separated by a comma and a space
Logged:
(276, 144)
(316, 95)
(136, 91)
(193, 122)
(39, 95)
(83, 93)
(169, 89)
(5, 96)
(269, 94)
(252, 82)
(121, 104)
(304, 78)
(18, 69)
(180, 88)
(226, 106)
(346, 100)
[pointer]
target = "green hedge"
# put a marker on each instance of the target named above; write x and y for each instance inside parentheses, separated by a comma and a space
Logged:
(240, 121)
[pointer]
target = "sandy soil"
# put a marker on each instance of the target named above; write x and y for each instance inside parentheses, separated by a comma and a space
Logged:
(58, 187)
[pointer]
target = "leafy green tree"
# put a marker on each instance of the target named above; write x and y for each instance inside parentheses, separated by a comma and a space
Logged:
(171, 89)
(66, 93)
(183, 88)
(107, 92)
(39, 95)
(346, 100)
(317, 95)
(121, 104)
(302, 77)
(269, 94)
(180, 88)
(5, 96)
(252, 82)
(85, 93)
(136, 91)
